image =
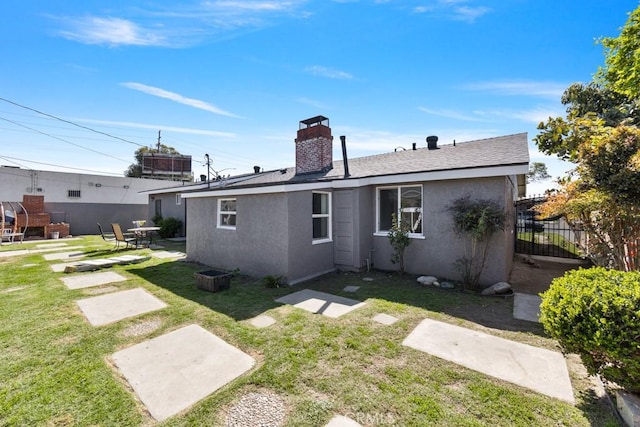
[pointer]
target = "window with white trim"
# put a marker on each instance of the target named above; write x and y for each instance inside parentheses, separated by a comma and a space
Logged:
(405, 202)
(227, 213)
(321, 217)
(178, 199)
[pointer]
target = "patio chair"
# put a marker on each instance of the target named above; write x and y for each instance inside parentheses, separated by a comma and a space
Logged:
(128, 238)
(107, 237)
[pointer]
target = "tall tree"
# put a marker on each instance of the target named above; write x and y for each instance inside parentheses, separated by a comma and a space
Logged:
(135, 169)
(600, 134)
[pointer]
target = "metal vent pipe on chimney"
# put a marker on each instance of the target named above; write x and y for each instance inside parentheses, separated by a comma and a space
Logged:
(343, 139)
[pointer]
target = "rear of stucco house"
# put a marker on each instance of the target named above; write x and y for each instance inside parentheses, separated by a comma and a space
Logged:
(320, 216)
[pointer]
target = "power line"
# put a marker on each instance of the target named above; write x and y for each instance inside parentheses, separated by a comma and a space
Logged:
(63, 140)
(51, 164)
(70, 122)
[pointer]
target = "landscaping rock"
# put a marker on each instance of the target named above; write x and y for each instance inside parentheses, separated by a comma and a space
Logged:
(428, 280)
(447, 285)
(498, 289)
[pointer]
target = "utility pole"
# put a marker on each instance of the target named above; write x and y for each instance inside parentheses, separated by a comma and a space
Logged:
(158, 141)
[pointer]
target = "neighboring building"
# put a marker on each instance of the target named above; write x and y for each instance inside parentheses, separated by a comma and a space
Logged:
(78, 199)
(167, 166)
(322, 215)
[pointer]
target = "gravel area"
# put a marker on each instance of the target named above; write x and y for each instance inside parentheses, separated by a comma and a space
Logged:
(142, 328)
(257, 410)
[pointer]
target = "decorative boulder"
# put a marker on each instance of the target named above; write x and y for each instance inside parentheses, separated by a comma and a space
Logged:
(497, 289)
(447, 285)
(428, 280)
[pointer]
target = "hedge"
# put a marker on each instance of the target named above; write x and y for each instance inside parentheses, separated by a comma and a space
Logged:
(595, 313)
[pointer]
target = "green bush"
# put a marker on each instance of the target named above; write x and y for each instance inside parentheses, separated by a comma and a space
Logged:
(596, 313)
(270, 281)
(169, 227)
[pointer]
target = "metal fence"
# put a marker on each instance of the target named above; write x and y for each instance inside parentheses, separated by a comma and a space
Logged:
(552, 237)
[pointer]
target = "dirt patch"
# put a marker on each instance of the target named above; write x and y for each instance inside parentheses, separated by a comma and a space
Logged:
(533, 275)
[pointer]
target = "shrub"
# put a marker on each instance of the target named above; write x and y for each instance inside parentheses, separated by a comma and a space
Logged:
(399, 239)
(169, 227)
(596, 313)
(270, 281)
(476, 220)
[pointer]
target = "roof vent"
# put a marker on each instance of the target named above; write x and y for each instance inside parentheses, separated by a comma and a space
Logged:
(432, 142)
(256, 169)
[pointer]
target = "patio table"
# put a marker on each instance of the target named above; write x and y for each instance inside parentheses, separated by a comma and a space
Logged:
(144, 232)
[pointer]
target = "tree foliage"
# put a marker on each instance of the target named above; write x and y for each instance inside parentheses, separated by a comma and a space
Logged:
(477, 221)
(600, 135)
(135, 169)
(622, 59)
(537, 172)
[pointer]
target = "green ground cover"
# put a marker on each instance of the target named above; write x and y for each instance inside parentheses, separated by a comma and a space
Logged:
(55, 368)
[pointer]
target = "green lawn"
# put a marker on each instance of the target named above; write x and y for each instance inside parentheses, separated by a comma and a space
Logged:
(55, 368)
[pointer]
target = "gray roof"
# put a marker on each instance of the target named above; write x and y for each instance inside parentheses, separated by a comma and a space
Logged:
(507, 150)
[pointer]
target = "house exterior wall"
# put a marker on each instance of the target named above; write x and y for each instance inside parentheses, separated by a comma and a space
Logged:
(273, 236)
(103, 199)
(305, 259)
(169, 209)
(437, 252)
(83, 217)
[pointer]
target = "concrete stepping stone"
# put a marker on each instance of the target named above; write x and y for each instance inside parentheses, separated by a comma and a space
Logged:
(351, 288)
(385, 319)
(8, 254)
(262, 321)
(14, 289)
(342, 421)
(109, 308)
(93, 279)
(526, 307)
(538, 369)
(321, 303)
(96, 264)
(167, 254)
(176, 370)
(51, 245)
(63, 255)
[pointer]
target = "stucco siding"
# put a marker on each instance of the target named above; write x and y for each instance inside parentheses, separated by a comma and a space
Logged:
(169, 209)
(305, 259)
(83, 217)
(437, 252)
(259, 244)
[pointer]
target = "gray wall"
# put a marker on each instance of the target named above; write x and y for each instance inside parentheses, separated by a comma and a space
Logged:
(273, 236)
(436, 254)
(169, 209)
(82, 217)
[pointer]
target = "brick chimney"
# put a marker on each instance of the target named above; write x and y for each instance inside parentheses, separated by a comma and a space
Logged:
(314, 146)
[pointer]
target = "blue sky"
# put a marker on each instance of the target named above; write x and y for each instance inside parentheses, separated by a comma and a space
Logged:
(234, 78)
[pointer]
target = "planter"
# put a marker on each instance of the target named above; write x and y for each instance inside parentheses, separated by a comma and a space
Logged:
(213, 280)
(55, 234)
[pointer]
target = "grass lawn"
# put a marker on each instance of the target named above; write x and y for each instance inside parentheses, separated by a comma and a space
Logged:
(55, 367)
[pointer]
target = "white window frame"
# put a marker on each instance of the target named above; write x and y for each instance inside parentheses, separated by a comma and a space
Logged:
(327, 215)
(178, 199)
(399, 188)
(221, 212)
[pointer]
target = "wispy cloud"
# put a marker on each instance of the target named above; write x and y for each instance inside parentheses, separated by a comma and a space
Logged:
(542, 89)
(135, 125)
(531, 115)
(191, 102)
(312, 102)
(110, 31)
(469, 14)
(451, 114)
(177, 26)
(456, 10)
(330, 73)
